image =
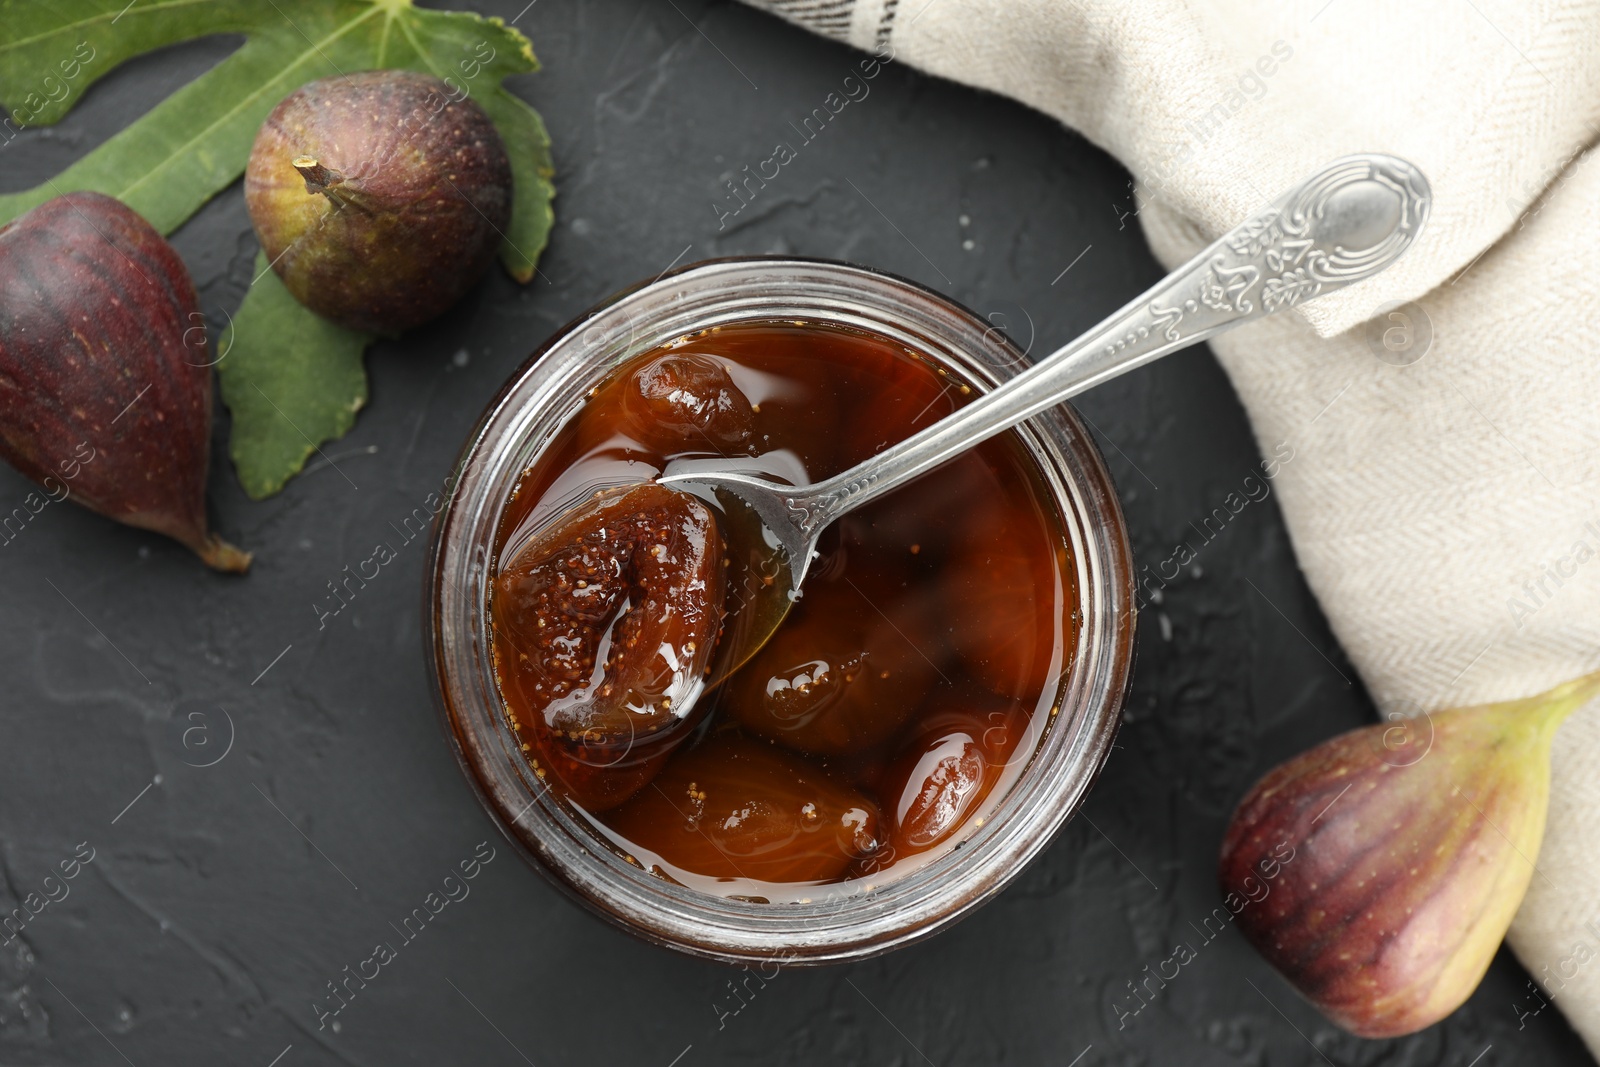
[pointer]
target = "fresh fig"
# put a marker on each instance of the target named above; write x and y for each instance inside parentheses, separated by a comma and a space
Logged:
(378, 197)
(1379, 871)
(105, 388)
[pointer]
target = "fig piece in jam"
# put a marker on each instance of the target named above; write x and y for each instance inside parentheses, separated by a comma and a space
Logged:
(940, 780)
(688, 401)
(732, 808)
(839, 676)
(890, 711)
(608, 619)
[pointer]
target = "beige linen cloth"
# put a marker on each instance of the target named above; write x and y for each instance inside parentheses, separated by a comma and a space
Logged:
(1444, 508)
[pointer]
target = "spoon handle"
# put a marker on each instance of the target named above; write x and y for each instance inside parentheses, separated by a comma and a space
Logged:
(1343, 225)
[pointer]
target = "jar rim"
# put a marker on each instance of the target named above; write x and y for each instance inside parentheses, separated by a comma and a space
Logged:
(546, 391)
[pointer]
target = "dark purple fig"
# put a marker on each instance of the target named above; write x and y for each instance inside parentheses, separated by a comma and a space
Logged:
(105, 388)
(378, 198)
(1379, 871)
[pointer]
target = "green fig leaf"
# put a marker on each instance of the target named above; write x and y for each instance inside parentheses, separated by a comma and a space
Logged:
(292, 380)
(196, 143)
(53, 52)
(532, 191)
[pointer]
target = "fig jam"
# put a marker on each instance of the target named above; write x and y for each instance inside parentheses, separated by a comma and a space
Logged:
(898, 700)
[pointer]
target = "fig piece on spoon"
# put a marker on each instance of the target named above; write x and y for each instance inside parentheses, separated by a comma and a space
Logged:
(605, 621)
(1411, 847)
(105, 384)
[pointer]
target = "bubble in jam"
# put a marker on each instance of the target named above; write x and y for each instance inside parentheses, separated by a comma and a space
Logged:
(895, 705)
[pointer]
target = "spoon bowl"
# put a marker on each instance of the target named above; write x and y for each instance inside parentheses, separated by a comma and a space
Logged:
(769, 556)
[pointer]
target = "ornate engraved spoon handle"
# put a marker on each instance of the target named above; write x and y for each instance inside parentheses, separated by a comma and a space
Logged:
(1343, 225)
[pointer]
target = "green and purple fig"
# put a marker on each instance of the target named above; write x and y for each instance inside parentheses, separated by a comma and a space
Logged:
(1410, 848)
(105, 388)
(379, 197)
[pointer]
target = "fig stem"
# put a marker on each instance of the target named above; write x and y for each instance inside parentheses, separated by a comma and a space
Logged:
(319, 179)
(217, 554)
(329, 182)
(1558, 703)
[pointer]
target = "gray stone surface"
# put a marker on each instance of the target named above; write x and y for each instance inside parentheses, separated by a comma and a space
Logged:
(220, 903)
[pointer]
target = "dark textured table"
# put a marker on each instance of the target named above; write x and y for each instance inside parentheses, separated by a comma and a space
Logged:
(223, 899)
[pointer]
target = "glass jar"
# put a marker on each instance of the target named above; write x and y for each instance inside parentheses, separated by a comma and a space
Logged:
(520, 422)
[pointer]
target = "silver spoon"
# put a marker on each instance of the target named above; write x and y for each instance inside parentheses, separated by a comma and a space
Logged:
(1346, 223)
